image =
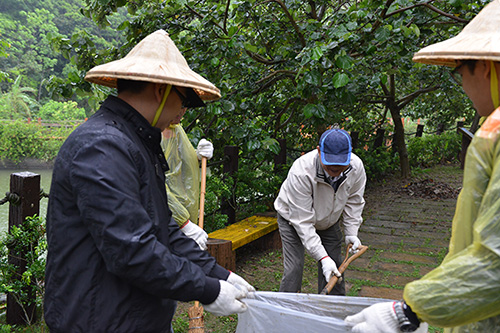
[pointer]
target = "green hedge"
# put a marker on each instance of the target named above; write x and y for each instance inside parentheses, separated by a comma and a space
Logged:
(431, 150)
(20, 139)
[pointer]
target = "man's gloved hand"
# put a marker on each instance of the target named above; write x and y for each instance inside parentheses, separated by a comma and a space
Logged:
(205, 149)
(378, 318)
(228, 301)
(235, 279)
(354, 240)
(196, 233)
(329, 268)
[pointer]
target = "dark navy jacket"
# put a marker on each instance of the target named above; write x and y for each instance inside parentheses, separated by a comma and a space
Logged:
(117, 261)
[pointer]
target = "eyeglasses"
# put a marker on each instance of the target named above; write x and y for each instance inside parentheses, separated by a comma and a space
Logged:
(184, 100)
(456, 76)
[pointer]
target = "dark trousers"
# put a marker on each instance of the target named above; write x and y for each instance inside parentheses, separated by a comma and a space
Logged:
(293, 257)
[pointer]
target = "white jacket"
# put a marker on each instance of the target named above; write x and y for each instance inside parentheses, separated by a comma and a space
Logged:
(310, 203)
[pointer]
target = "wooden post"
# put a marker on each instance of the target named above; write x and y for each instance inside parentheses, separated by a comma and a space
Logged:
(230, 167)
(420, 131)
(440, 129)
(379, 138)
(27, 186)
(280, 159)
(222, 251)
(354, 139)
(466, 140)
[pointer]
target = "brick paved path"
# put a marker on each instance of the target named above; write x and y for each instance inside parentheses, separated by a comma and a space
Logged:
(407, 237)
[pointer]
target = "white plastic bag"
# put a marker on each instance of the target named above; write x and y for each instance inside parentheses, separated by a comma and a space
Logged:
(274, 312)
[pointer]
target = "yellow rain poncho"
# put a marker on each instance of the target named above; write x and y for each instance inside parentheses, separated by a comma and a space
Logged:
(183, 179)
(463, 293)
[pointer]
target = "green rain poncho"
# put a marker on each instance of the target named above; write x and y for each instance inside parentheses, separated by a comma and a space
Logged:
(463, 293)
(183, 179)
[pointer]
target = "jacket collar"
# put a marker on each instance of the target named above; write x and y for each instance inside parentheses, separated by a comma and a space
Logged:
(321, 173)
(149, 135)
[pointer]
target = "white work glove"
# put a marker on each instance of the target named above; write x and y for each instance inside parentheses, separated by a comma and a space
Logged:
(228, 301)
(329, 268)
(356, 243)
(235, 279)
(378, 318)
(196, 233)
(205, 149)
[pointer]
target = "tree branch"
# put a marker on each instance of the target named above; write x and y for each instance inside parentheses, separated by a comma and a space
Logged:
(226, 14)
(408, 98)
(431, 7)
(273, 74)
(292, 21)
(202, 17)
(257, 57)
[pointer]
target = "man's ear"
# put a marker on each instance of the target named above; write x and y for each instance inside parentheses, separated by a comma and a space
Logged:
(319, 151)
(159, 89)
(485, 66)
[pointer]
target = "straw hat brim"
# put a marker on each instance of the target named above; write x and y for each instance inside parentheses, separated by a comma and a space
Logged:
(155, 59)
(479, 40)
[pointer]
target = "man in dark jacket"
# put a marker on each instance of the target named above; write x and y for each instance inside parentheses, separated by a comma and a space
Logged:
(117, 261)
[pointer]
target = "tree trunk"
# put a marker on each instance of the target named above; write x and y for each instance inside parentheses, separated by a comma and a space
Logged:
(399, 141)
(399, 130)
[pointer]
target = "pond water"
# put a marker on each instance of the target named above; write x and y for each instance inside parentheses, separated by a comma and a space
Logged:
(45, 179)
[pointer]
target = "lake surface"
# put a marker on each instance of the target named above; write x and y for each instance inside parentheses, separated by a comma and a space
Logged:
(45, 179)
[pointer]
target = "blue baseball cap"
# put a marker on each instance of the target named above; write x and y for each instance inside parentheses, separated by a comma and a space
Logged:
(335, 146)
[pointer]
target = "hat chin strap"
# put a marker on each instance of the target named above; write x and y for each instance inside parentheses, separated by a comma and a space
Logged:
(494, 85)
(162, 104)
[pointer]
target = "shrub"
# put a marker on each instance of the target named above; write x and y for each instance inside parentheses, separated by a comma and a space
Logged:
(431, 150)
(60, 111)
(19, 140)
(28, 238)
(378, 163)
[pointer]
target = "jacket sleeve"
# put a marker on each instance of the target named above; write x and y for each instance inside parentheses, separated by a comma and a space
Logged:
(353, 210)
(105, 176)
(302, 215)
(465, 287)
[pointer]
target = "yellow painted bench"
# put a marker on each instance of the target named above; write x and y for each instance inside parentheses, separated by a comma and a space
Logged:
(261, 231)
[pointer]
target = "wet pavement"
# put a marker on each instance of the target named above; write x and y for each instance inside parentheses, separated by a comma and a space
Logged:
(407, 226)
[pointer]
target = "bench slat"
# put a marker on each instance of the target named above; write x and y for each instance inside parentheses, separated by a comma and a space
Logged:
(246, 231)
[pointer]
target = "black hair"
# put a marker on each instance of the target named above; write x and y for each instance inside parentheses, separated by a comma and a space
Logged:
(470, 64)
(133, 86)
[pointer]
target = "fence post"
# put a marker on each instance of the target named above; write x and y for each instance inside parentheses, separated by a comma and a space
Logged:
(280, 159)
(379, 137)
(354, 139)
(420, 131)
(27, 186)
(466, 140)
(230, 167)
(440, 129)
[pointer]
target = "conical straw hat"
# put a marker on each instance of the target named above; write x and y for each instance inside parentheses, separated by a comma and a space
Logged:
(155, 59)
(479, 40)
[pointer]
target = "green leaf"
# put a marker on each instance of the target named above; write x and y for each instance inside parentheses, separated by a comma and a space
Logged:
(340, 80)
(309, 110)
(253, 145)
(271, 144)
(344, 62)
(316, 53)
(313, 78)
(251, 47)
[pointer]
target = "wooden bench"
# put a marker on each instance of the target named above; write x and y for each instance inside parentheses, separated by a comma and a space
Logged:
(261, 231)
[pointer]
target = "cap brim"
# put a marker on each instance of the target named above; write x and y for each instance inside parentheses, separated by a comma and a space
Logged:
(330, 159)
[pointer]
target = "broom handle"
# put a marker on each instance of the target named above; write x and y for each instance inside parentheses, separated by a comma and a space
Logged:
(202, 191)
(333, 281)
(202, 196)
